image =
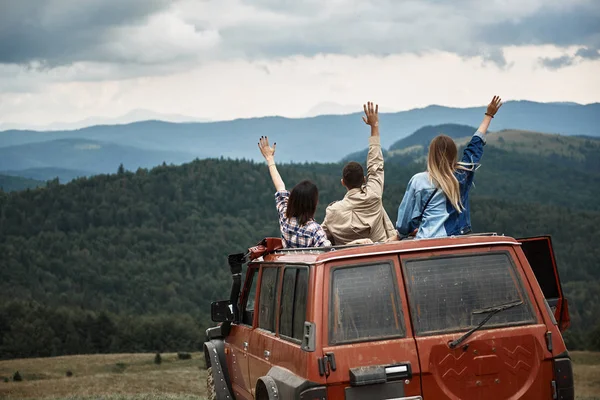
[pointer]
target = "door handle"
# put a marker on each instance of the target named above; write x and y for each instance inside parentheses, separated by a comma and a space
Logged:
(245, 346)
(267, 353)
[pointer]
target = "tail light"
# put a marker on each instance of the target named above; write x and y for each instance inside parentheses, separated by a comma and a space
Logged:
(563, 383)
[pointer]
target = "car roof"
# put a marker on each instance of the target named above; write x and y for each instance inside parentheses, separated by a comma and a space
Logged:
(317, 255)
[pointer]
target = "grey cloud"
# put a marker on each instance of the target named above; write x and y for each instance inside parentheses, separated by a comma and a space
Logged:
(466, 27)
(587, 53)
(576, 24)
(59, 32)
(496, 56)
(557, 62)
(566, 60)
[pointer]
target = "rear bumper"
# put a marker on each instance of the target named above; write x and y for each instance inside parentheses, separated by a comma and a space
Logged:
(382, 391)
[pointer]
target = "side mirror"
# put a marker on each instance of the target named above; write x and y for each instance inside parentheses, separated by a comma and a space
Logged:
(221, 311)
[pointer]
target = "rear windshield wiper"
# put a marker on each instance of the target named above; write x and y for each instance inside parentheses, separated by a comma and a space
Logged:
(492, 311)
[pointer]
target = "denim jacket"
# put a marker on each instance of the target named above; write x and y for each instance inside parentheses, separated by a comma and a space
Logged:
(440, 218)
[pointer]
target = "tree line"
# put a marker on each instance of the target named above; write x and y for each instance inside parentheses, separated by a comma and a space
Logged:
(149, 248)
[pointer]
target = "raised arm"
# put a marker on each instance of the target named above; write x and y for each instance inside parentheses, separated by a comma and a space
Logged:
(474, 150)
(268, 153)
(375, 174)
(492, 109)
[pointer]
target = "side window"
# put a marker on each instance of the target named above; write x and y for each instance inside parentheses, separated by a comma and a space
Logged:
(267, 301)
(364, 304)
(451, 293)
(248, 307)
(293, 302)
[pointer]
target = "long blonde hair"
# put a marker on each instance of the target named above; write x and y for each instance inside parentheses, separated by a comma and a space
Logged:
(441, 164)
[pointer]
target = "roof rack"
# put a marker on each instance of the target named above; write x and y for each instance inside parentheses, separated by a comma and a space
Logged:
(321, 250)
(318, 250)
(482, 234)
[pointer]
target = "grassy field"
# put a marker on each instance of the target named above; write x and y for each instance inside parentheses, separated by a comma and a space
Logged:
(106, 377)
(137, 377)
(586, 369)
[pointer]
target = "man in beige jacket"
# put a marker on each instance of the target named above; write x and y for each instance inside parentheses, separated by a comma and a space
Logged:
(360, 215)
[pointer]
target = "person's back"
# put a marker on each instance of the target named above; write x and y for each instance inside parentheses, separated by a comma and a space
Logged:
(436, 202)
(297, 226)
(360, 214)
(413, 214)
(297, 208)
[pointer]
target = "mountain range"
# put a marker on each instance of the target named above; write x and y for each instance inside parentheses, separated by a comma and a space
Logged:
(128, 118)
(325, 138)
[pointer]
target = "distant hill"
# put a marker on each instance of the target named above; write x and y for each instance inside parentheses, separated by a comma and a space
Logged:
(580, 151)
(131, 116)
(68, 158)
(49, 173)
(424, 135)
(13, 183)
(326, 138)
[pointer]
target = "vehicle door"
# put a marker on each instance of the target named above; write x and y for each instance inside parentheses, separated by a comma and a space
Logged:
(451, 292)
(237, 340)
(540, 255)
(368, 349)
(296, 307)
(262, 336)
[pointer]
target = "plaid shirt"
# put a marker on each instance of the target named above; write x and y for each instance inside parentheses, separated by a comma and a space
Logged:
(293, 234)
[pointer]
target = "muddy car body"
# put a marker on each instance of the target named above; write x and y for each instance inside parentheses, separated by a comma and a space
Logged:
(471, 317)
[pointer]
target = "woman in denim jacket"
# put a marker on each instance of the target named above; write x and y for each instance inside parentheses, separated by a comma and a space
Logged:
(436, 202)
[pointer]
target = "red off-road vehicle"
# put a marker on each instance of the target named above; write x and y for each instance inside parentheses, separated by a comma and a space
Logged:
(470, 317)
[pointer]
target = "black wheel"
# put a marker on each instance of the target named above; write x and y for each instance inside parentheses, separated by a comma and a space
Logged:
(211, 394)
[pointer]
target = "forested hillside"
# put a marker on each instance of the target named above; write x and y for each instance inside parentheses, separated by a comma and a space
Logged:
(131, 261)
(67, 156)
(10, 183)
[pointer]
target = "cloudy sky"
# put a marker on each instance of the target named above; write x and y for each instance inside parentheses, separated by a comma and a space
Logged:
(67, 60)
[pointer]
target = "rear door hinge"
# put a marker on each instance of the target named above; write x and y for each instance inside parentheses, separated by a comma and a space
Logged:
(327, 364)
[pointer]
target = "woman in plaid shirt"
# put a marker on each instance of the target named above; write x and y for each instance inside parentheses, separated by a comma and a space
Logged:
(296, 209)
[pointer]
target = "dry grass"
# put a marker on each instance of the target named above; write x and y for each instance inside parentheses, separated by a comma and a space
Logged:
(110, 377)
(136, 377)
(586, 369)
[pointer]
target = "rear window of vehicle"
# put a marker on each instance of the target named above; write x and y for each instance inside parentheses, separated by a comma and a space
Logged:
(364, 304)
(268, 287)
(445, 292)
(293, 302)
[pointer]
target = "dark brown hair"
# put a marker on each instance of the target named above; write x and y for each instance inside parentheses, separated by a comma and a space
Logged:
(303, 201)
(353, 175)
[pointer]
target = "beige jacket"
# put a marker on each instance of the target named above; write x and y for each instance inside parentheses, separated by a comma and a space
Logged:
(360, 214)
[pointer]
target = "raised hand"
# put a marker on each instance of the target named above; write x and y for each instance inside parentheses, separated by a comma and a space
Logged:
(494, 106)
(267, 151)
(371, 114)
